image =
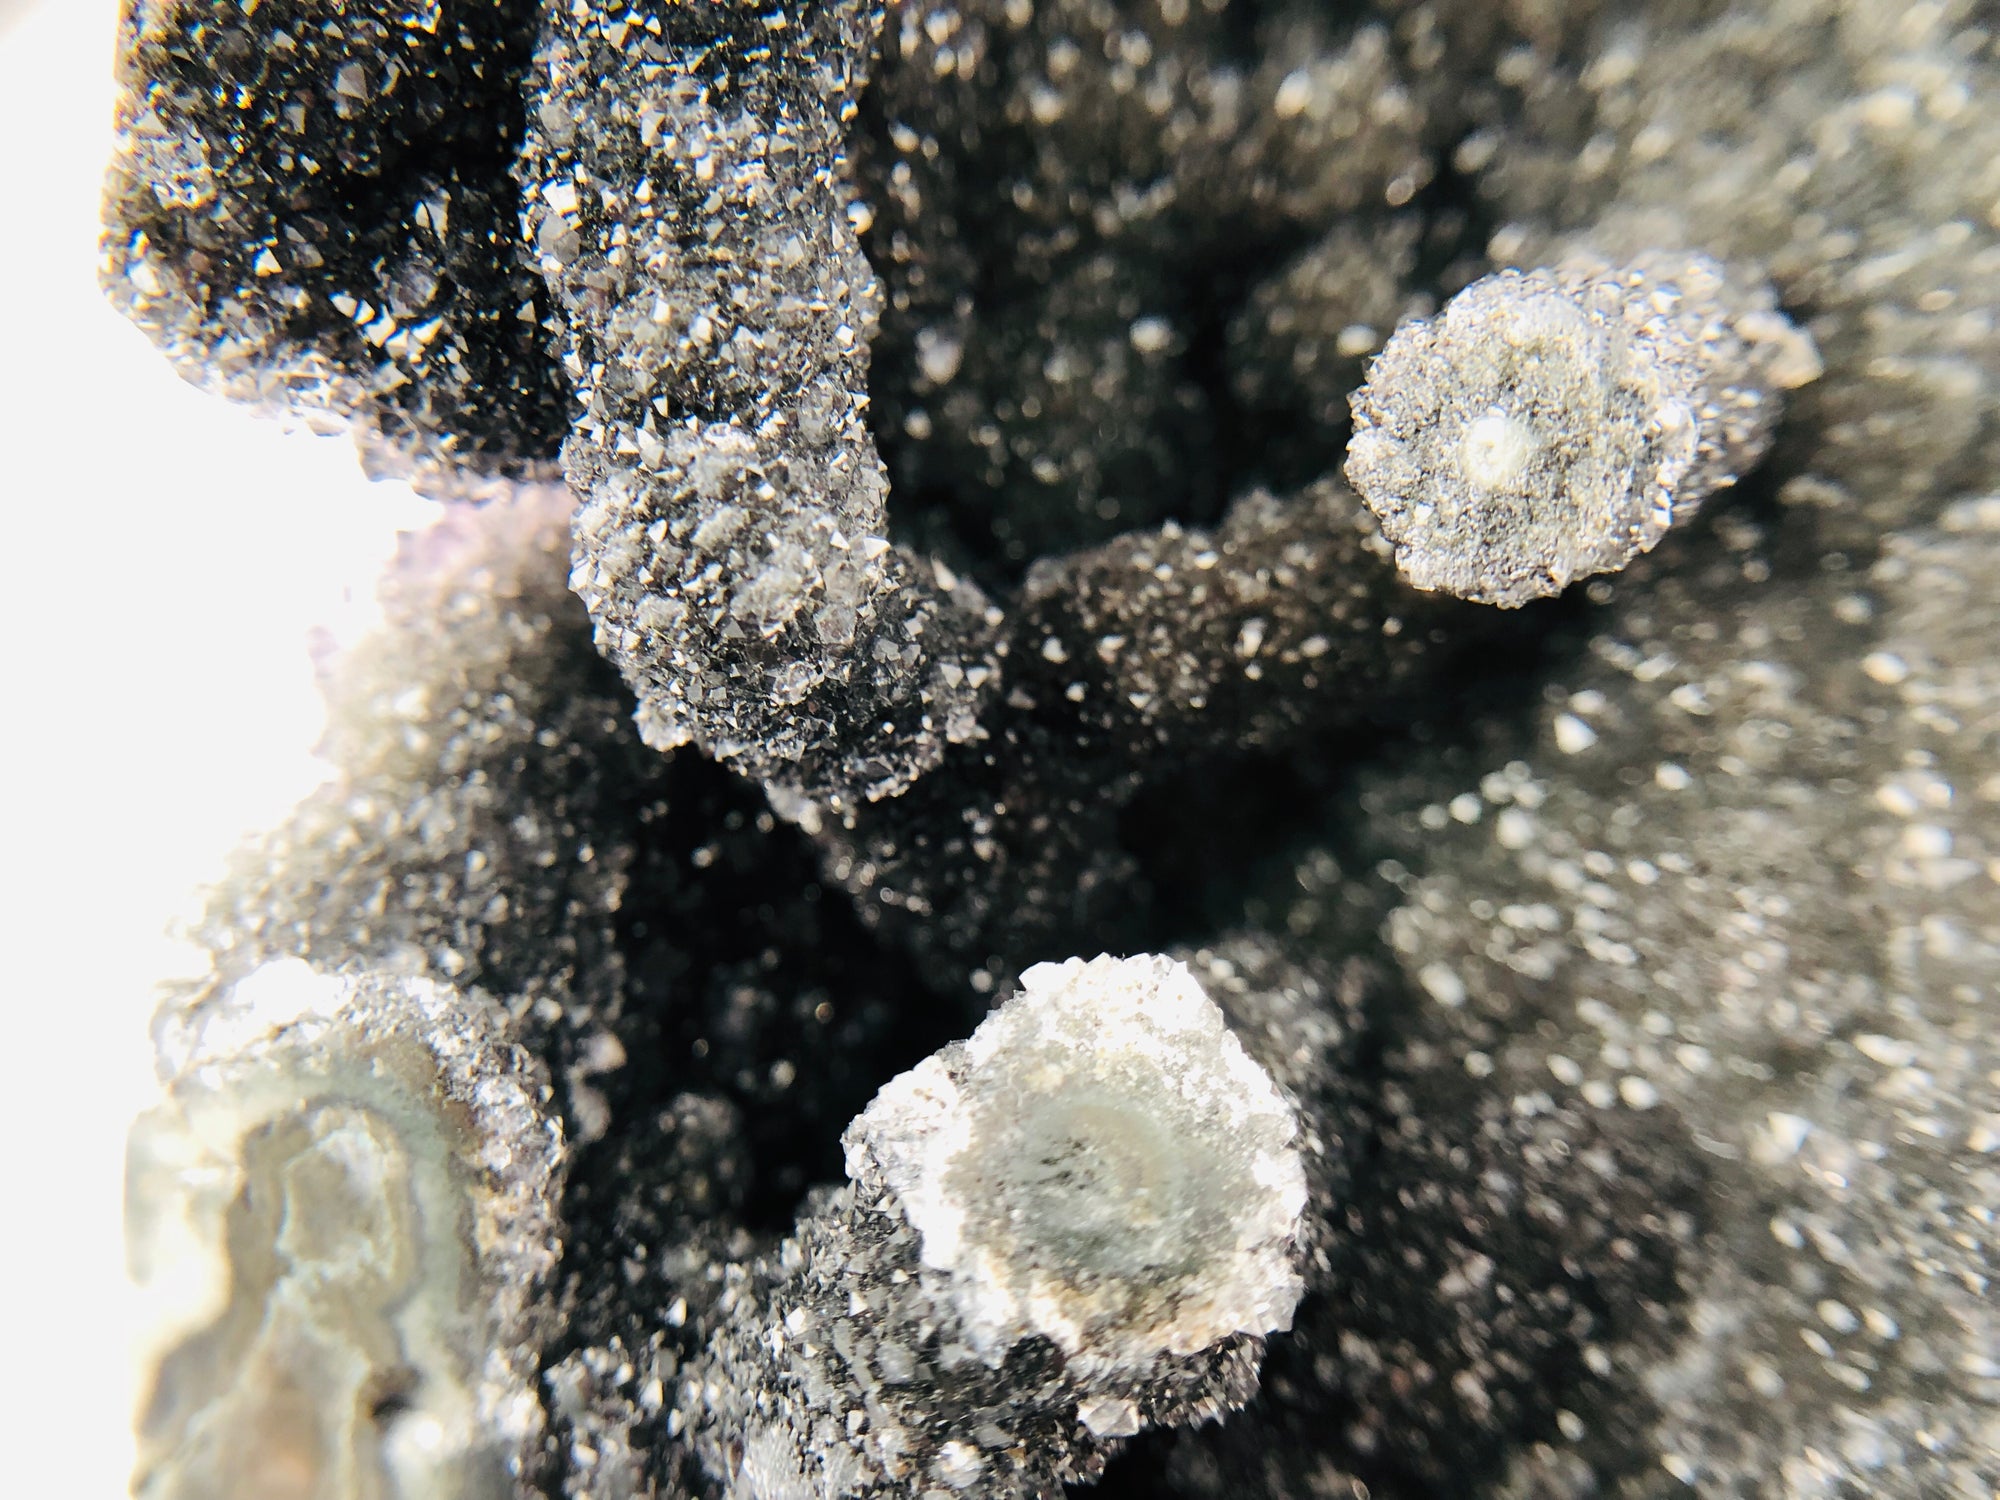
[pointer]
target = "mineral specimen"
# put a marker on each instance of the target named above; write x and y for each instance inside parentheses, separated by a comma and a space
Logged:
(1620, 930)
(1594, 1089)
(1553, 424)
(1098, 1220)
(1058, 193)
(494, 823)
(688, 208)
(1073, 1225)
(1129, 662)
(346, 1212)
(311, 210)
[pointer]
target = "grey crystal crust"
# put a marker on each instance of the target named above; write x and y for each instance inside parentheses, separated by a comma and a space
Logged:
(1624, 959)
(688, 203)
(310, 210)
(1002, 1294)
(1552, 424)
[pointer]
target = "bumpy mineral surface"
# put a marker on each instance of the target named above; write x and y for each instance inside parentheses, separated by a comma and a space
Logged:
(1101, 1165)
(1553, 425)
(346, 1217)
(1099, 1184)
(1562, 1060)
(310, 210)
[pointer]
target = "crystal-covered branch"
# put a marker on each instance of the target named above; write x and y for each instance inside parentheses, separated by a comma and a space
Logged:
(1074, 1225)
(688, 202)
(345, 1219)
(1552, 424)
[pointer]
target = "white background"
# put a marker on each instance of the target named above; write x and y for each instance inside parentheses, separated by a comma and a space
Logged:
(164, 556)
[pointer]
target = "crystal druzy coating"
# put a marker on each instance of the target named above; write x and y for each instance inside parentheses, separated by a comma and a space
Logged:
(1552, 424)
(310, 210)
(731, 543)
(956, 571)
(1100, 1163)
(1099, 1184)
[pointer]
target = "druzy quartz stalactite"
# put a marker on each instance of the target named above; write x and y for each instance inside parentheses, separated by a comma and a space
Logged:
(1075, 1224)
(1552, 424)
(1630, 979)
(1099, 1219)
(689, 204)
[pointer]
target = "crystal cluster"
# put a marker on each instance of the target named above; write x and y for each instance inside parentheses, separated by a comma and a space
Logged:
(311, 211)
(688, 209)
(1552, 425)
(1561, 1060)
(1100, 1165)
(1098, 1187)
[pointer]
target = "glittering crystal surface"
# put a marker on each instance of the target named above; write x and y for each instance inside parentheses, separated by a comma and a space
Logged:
(1101, 1164)
(1039, 478)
